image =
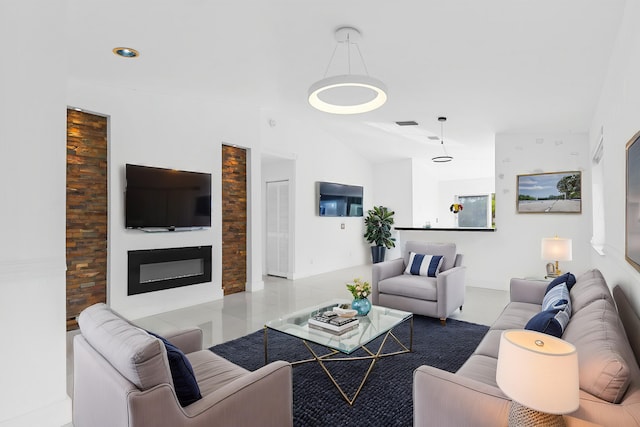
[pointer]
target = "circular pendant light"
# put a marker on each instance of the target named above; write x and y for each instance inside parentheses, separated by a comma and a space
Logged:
(347, 93)
(445, 158)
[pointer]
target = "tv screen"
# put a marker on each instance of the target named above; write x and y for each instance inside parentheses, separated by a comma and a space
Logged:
(166, 198)
(339, 199)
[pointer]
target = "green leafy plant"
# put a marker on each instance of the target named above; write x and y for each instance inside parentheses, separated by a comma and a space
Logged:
(570, 186)
(378, 224)
(359, 289)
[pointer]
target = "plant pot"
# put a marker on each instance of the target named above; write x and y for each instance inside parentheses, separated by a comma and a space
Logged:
(377, 253)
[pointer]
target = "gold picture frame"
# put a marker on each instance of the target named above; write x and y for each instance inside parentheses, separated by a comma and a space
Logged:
(549, 193)
(632, 202)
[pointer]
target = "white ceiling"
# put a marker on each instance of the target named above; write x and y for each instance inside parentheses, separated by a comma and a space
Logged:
(490, 66)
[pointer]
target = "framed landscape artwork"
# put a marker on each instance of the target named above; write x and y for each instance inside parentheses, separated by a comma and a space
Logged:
(549, 193)
(632, 229)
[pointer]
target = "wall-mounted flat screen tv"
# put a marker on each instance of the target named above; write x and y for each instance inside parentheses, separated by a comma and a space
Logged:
(339, 199)
(166, 198)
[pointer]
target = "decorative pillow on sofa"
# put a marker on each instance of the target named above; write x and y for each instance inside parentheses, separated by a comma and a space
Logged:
(424, 265)
(557, 299)
(550, 322)
(567, 278)
(184, 380)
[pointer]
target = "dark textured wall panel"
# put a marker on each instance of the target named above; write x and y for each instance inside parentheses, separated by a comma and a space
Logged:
(234, 219)
(86, 212)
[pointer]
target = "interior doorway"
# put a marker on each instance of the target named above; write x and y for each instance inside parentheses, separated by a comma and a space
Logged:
(277, 253)
(234, 219)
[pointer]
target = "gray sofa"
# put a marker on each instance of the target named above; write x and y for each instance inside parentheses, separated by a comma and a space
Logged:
(430, 296)
(608, 369)
(122, 378)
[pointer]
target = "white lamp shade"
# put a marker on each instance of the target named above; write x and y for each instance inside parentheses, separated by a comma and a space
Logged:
(538, 371)
(556, 249)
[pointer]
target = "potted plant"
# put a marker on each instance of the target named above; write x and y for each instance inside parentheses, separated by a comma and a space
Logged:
(378, 224)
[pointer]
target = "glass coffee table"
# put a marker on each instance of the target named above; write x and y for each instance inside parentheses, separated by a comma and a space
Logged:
(379, 322)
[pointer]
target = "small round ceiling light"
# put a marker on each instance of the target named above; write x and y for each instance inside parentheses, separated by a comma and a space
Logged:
(347, 93)
(126, 52)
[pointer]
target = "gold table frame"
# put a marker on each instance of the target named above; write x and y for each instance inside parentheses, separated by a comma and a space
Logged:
(329, 357)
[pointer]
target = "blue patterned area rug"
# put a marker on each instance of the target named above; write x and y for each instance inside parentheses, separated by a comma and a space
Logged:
(386, 398)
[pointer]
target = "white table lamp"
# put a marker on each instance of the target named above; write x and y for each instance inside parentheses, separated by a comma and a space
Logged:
(556, 249)
(539, 373)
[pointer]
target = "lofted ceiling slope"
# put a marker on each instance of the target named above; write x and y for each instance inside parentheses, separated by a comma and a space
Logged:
(490, 66)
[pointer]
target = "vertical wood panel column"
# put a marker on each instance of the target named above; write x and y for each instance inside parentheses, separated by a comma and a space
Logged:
(234, 219)
(86, 212)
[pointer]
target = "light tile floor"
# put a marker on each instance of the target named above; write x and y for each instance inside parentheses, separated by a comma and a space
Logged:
(242, 313)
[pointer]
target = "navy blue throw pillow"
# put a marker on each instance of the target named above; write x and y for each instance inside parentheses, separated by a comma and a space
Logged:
(550, 322)
(424, 265)
(567, 278)
(184, 380)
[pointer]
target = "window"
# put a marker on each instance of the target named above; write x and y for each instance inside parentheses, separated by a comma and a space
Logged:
(478, 211)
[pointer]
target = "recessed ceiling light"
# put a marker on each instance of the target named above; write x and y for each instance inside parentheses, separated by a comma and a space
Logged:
(126, 52)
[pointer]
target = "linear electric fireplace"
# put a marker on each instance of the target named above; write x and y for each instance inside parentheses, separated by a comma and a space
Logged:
(157, 269)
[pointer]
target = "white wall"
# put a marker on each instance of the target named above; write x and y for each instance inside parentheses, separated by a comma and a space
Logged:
(521, 233)
(186, 132)
(426, 195)
(419, 195)
(617, 114)
(321, 244)
(394, 189)
(448, 190)
(32, 189)
(179, 132)
(513, 250)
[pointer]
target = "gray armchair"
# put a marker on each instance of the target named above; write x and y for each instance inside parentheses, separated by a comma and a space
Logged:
(122, 377)
(430, 296)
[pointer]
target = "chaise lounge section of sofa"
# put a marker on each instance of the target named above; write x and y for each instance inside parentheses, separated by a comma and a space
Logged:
(608, 369)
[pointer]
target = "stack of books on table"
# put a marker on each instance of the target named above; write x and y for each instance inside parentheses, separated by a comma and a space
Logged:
(331, 322)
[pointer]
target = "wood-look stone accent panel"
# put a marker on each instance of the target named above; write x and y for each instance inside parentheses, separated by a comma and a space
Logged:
(234, 219)
(86, 212)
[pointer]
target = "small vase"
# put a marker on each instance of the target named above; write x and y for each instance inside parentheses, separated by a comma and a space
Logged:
(361, 305)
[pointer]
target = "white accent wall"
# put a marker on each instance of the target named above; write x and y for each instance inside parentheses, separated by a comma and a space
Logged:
(186, 132)
(321, 244)
(618, 116)
(32, 196)
(448, 190)
(178, 132)
(520, 234)
(513, 249)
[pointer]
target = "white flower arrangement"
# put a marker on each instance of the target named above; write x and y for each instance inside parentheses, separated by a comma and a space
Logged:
(359, 289)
